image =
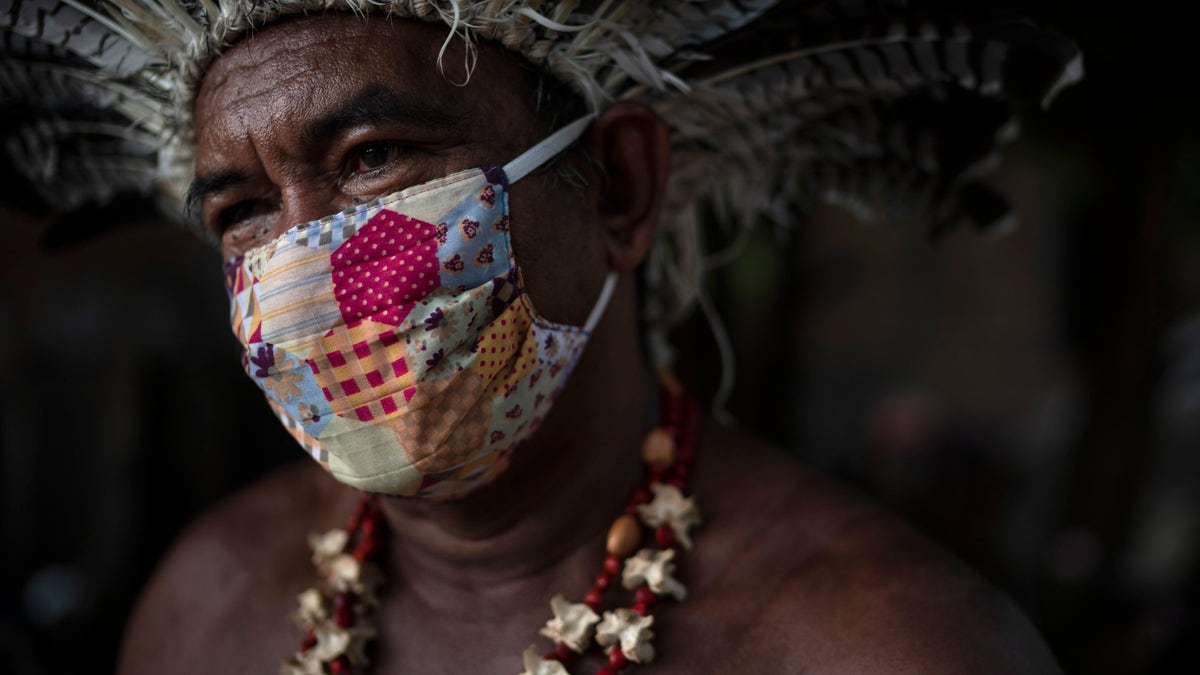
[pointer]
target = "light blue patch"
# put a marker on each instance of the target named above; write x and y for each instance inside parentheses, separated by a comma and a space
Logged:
(310, 390)
(473, 274)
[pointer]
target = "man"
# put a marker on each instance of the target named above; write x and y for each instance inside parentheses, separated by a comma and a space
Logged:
(448, 315)
(789, 572)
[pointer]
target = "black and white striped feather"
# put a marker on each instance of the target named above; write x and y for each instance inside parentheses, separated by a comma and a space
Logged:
(866, 105)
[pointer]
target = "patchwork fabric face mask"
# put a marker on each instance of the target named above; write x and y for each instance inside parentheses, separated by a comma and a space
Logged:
(396, 341)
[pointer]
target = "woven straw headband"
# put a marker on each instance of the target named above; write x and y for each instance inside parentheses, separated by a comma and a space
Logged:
(796, 101)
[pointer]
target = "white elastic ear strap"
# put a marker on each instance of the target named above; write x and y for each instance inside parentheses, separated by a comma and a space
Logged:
(610, 283)
(547, 148)
(539, 155)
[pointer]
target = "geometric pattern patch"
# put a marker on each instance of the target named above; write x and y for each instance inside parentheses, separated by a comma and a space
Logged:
(445, 425)
(362, 371)
(310, 445)
(335, 232)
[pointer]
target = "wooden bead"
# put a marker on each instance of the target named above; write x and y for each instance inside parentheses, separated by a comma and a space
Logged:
(658, 449)
(624, 536)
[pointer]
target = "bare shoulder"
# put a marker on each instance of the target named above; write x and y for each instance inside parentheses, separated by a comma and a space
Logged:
(235, 568)
(810, 576)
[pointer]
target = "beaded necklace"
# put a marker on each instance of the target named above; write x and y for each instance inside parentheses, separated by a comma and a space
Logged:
(335, 614)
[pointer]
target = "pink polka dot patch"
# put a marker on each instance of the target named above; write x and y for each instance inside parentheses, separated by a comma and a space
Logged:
(385, 268)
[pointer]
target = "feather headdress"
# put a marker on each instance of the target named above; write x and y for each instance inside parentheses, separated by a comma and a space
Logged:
(796, 101)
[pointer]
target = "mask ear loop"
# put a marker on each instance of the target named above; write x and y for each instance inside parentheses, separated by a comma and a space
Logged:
(610, 283)
(548, 147)
(538, 155)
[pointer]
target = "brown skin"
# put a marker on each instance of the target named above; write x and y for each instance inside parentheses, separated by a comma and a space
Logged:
(790, 573)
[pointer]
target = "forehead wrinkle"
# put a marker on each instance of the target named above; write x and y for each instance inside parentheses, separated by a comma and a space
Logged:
(377, 102)
(250, 119)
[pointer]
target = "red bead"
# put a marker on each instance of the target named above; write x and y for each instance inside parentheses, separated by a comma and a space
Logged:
(606, 671)
(664, 536)
(602, 580)
(310, 641)
(640, 496)
(640, 609)
(368, 527)
(616, 658)
(645, 596)
(593, 599)
(343, 610)
(676, 481)
(366, 547)
(340, 666)
(612, 566)
(550, 656)
(564, 653)
(355, 519)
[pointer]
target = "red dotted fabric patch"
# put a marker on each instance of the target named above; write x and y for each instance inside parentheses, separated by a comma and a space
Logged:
(385, 268)
(507, 349)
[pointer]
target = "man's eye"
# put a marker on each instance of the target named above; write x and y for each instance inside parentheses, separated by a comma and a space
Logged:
(375, 155)
(235, 214)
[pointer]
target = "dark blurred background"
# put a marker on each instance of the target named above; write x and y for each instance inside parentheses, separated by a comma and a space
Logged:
(1030, 401)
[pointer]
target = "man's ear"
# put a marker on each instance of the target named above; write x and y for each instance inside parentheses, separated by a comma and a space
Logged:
(628, 142)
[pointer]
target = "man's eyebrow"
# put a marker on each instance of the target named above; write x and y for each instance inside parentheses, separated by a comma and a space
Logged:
(203, 186)
(379, 103)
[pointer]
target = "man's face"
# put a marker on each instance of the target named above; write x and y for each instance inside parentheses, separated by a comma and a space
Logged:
(313, 115)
